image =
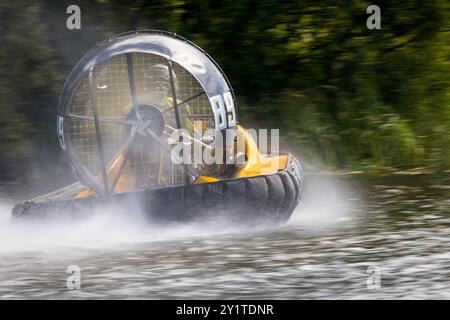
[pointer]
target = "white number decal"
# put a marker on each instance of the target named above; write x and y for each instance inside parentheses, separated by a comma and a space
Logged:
(61, 133)
(219, 112)
(231, 113)
(224, 113)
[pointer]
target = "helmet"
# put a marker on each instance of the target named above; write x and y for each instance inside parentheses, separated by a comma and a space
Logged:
(158, 78)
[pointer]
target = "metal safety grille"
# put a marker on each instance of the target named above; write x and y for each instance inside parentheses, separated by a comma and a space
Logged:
(111, 89)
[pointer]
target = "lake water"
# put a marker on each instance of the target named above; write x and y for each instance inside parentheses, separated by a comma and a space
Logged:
(352, 237)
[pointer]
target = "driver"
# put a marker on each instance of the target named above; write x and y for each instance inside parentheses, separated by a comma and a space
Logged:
(157, 91)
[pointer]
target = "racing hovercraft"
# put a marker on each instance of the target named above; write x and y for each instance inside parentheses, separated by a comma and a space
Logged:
(127, 105)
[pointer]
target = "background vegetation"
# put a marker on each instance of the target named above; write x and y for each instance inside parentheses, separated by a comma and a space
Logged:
(345, 97)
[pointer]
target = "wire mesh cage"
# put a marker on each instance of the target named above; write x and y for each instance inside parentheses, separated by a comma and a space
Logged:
(118, 114)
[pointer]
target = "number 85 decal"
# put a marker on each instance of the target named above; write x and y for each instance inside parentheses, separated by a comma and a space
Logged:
(224, 111)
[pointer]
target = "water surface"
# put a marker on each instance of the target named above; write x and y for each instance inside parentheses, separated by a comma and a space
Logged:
(398, 227)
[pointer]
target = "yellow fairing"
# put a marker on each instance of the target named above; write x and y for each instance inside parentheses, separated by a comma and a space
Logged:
(258, 164)
(205, 179)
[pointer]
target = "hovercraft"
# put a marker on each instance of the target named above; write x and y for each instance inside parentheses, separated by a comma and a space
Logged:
(124, 109)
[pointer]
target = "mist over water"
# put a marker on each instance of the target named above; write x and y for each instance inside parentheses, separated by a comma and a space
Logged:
(327, 203)
(104, 229)
(113, 227)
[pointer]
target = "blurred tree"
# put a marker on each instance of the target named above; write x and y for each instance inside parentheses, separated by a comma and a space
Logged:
(344, 96)
(28, 82)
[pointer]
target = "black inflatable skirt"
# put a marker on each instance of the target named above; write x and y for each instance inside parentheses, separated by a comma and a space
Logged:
(266, 198)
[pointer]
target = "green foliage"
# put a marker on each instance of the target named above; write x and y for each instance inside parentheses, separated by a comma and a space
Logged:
(344, 96)
(29, 79)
